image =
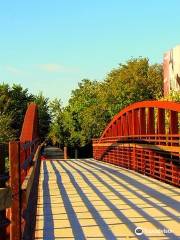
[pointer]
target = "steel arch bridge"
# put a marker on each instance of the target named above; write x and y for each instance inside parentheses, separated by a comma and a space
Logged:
(107, 197)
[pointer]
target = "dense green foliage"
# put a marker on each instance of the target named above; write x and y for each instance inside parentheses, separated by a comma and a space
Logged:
(57, 130)
(44, 115)
(13, 104)
(85, 115)
(134, 81)
(173, 96)
(93, 104)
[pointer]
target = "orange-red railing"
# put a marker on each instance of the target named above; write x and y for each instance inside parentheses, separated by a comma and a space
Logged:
(21, 154)
(144, 137)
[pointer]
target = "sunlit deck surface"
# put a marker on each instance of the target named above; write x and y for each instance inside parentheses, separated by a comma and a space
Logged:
(88, 199)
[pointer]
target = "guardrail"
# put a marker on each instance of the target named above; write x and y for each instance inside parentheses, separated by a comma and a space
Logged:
(5, 192)
(144, 137)
(29, 190)
(20, 194)
(18, 190)
(24, 170)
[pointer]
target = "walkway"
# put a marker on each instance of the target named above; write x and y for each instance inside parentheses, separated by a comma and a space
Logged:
(87, 199)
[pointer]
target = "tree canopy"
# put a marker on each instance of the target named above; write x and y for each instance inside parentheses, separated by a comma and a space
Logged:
(44, 115)
(13, 104)
(91, 105)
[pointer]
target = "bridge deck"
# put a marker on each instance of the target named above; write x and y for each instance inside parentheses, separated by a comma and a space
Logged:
(87, 199)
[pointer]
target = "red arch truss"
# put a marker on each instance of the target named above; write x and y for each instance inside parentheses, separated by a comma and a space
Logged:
(144, 137)
(29, 139)
(29, 130)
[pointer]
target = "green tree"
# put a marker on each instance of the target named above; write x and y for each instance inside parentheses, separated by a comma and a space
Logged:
(57, 133)
(134, 81)
(5, 98)
(93, 103)
(173, 96)
(85, 115)
(20, 98)
(7, 133)
(13, 105)
(44, 115)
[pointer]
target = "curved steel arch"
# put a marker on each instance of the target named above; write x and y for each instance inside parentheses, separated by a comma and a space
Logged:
(29, 130)
(144, 137)
(140, 115)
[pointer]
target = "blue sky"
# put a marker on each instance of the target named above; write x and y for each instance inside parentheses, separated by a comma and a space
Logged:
(51, 45)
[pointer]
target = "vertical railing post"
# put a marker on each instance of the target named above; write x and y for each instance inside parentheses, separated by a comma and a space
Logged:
(161, 123)
(135, 122)
(65, 153)
(14, 156)
(114, 130)
(173, 122)
(124, 125)
(119, 127)
(142, 120)
(134, 158)
(129, 116)
(173, 126)
(150, 123)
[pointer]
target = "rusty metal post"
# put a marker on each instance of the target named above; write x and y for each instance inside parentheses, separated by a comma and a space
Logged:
(134, 158)
(173, 122)
(124, 125)
(150, 121)
(129, 116)
(142, 119)
(135, 121)
(65, 153)
(161, 123)
(114, 129)
(119, 127)
(173, 126)
(151, 124)
(14, 156)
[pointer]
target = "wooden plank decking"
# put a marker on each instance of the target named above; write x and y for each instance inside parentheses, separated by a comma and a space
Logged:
(87, 199)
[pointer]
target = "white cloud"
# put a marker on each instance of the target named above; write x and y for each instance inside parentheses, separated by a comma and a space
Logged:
(13, 70)
(56, 68)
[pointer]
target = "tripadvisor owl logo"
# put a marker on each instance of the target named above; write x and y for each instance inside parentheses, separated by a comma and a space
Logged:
(138, 231)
